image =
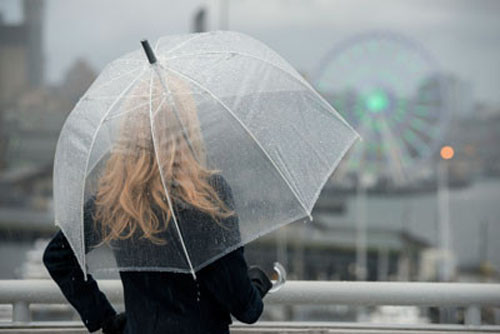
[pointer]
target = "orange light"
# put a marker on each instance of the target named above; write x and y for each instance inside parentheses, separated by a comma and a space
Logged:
(447, 152)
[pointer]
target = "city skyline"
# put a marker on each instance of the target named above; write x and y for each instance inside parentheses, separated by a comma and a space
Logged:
(461, 36)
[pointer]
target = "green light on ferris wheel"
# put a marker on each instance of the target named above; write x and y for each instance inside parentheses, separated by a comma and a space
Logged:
(377, 101)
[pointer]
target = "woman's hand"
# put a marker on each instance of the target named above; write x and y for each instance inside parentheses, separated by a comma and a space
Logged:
(114, 324)
(260, 280)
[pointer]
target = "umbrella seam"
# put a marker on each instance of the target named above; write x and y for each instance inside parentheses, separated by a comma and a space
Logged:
(179, 45)
(300, 79)
(334, 166)
(299, 199)
(162, 177)
(107, 119)
(235, 53)
(256, 236)
(108, 81)
(130, 110)
(90, 151)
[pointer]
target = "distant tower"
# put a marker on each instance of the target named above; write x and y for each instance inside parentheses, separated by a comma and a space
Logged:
(33, 20)
(200, 20)
(21, 61)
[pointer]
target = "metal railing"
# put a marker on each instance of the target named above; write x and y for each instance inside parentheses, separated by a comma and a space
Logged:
(21, 293)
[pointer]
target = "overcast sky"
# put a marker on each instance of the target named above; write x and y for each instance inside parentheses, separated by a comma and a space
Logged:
(463, 36)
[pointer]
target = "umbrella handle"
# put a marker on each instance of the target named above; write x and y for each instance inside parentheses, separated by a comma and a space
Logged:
(280, 280)
(149, 52)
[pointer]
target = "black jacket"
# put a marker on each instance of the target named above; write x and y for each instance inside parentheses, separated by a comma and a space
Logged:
(161, 302)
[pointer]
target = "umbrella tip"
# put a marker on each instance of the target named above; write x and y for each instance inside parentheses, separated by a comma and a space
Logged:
(149, 51)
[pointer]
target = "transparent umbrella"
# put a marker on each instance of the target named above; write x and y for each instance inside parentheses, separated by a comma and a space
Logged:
(239, 112)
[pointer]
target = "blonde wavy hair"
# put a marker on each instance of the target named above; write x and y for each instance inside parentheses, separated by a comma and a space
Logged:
(131, 184)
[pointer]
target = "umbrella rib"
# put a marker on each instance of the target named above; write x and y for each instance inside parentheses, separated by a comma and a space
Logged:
(278, 67)
(162, 177)
(159, 106)
(250, 134)
(130, 110)
(109, 81)
(180, 44)
(104, 153)
(234, 52)
(94, 137)
(85, 96)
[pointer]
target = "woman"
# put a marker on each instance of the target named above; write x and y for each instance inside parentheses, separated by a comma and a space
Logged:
(131, 212)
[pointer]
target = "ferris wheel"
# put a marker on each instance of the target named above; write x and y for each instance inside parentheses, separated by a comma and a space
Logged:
(389, 88)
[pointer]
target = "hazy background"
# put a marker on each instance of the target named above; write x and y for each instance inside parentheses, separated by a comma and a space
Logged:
(443, 225)
(464, 36)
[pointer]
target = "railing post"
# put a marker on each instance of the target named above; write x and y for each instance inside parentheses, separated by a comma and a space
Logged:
(21, 312)
(473, 315)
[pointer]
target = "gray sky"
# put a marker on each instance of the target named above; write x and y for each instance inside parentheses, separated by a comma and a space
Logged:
(463, 36)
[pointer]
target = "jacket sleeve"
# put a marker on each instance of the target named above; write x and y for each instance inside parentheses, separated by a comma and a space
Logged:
(85, 296)
(227, 280)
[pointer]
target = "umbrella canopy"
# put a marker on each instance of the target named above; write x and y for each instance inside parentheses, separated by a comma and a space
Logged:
(219, 107)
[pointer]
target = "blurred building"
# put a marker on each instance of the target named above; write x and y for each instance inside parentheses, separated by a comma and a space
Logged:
(317, 252)
(475, 138)
(77, 80)
(325, 249)
(31, 116)
(21, 60)
(456, 94)
(21, 52)
(31, 125)
(33, 120)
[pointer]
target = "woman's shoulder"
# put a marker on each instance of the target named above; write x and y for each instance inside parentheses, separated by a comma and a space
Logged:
(230, 259)
(221, 186)
(217, 180)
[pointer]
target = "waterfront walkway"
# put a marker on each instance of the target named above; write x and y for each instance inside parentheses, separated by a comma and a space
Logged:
(472, 296)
